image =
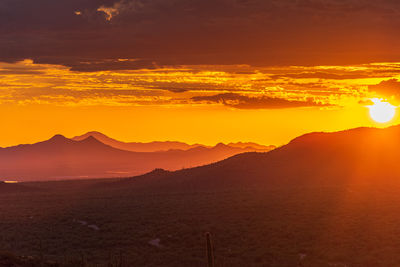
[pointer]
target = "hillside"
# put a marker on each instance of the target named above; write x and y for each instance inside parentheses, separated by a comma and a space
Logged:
(362, 155)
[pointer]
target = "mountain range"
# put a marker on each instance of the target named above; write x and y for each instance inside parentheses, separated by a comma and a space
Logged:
(361, 156)
(137, 146)
(355, 156)
(157, 146)
(88, 157)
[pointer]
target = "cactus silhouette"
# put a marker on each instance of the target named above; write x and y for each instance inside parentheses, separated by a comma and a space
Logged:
(210, 252)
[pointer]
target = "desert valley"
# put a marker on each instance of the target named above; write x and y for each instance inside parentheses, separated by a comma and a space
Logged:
(307, 203)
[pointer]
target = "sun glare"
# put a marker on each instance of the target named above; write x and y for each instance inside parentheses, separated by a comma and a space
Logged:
(381, 111)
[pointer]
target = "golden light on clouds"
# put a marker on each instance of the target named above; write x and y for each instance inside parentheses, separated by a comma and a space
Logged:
(108, 11)
(269, 105)
(27, 82)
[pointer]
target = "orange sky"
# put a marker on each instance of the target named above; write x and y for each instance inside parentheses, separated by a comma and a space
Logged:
(194, 103)
(199, 71)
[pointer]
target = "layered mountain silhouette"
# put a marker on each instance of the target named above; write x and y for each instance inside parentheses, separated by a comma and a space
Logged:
(63, 158)
(356, 156)
(163, 145)
(361, 156)
(136, 146)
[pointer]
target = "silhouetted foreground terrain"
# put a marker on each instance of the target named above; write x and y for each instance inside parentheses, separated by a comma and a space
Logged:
(325, 199)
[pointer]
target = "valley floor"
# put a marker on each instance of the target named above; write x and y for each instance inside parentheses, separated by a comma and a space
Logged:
(310, 226)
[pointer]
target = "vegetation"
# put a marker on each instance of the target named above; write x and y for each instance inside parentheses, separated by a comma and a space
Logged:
(210, 251)
(8, 259)
(312, 226)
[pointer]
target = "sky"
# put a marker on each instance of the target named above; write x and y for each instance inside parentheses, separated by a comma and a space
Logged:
(197, 71)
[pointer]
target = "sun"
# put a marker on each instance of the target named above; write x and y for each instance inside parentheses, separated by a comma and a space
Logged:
(381, 111)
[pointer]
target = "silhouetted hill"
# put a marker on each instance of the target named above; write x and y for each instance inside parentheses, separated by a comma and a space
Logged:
(136, 146)
(357, 156)
(63, 158)
(158, 146)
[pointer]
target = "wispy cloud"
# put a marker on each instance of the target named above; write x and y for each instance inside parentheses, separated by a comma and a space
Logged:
(263, 102)
(388, 88)
(109, 12)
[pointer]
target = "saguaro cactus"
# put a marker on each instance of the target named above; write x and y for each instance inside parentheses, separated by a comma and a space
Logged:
(210, 251)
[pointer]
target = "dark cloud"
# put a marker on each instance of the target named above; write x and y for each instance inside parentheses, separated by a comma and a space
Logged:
(93, 34)
(387, 88)
(111, 64)
(246, 102)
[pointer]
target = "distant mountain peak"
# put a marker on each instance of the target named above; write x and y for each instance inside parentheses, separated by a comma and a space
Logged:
(248, 145)
(93, 141)
(97, 134)
(220, 144)
(58, 138)
(94, 133)
(90, 138)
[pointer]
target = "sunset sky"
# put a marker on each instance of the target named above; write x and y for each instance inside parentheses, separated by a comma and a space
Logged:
(198, 71)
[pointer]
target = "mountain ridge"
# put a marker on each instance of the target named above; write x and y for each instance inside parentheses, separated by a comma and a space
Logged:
(353, 157)
(157, 146)
(153, 146)
(62, 158)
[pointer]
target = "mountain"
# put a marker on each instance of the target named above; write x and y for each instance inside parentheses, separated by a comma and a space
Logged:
(252, 145)
(361, 156)
(163, 145)
(63, 158)
(136, 146)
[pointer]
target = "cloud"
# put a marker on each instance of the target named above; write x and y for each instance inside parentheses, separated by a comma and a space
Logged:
(110, 12)
(387, 88)
(198, 32)
(249, 87)
(111, 64)
(20, 72)
(366, 102)
(326, 75)
(105, 97)
(264, 102)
